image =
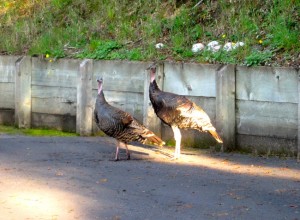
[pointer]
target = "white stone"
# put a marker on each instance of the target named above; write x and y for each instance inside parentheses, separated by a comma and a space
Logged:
(197, 47)
(238, 44)
(214, 46)
(159, 45)
(213, 43)
(229, 46)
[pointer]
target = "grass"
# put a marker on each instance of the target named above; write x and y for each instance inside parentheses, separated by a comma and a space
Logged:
(129, 30)
(34, 132)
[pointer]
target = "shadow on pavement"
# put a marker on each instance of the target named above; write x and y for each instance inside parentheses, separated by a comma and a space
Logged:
(73, 178)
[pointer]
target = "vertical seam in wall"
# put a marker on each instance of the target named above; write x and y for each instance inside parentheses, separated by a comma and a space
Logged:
(235, 104)
(298, 139)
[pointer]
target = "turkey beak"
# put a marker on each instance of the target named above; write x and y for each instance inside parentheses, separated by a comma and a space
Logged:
(152, 72)
(152, 69)
(100, 83)
(152, 66)
(99, 80)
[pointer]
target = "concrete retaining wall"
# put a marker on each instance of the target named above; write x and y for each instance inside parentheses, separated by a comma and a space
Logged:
(7, 89)
(252, 108)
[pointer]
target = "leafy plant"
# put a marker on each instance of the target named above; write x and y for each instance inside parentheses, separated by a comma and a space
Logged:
(100, 49)
(130, 29)
(34, 132)
(258, 58)
(134, 54)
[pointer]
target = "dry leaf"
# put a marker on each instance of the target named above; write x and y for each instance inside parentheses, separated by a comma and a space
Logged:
(103, 180)
(59, 173)
(188, 206)
(116, 217)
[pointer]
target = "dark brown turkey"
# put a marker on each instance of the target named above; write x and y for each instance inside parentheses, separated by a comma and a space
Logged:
(120, 125)
(178, 112)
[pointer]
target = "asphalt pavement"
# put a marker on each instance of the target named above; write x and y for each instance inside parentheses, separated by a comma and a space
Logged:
(62, 178)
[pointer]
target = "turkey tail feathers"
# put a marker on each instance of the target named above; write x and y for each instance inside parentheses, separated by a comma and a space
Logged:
(145, 134)
(216, 136)
(155, 140)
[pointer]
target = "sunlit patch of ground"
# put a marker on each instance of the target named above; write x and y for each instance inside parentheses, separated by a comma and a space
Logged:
(73, 178)
(225, 163)
(26, 199)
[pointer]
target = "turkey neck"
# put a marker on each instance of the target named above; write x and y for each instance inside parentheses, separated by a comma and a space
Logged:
(153, 86)
(101, 97)
(154, 95)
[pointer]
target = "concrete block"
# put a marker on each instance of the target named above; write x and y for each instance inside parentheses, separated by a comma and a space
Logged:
(225, 105)
(85, 104)
(190, 79)
(23, 92)
(267, 84)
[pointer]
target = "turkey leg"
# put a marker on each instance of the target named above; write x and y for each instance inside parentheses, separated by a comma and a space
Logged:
(119, 143)
(117, 151)
(127, 152)
(177, 137)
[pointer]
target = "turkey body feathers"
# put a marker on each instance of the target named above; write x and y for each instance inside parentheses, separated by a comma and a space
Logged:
(121, 125)
(167, 106)
(177, 110)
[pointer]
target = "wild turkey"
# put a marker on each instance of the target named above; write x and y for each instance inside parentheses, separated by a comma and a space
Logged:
(178, 112)
(120, 125)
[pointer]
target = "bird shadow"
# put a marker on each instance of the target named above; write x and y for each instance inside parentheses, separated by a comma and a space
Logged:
(153, 149)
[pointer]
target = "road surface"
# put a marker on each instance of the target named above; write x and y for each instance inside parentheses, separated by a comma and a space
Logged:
(62, 178)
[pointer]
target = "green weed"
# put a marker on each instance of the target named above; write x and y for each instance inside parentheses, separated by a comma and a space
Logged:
(130, 29)
(258, 58)
(34, 132)
(99, 49)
